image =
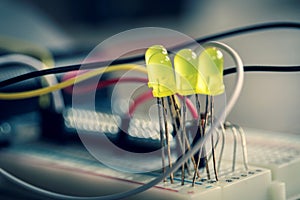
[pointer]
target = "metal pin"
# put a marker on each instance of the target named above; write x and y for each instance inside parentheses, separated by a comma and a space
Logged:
(222, 146)
(159, 103)
(233, 129)
(183, 137)
(244, 147)
(198, 163)
(204, 124)
(198, 105)
(167, 138)
(177, 124)
(203, 131)
(212, 137)
(175, 116)
(215, 146)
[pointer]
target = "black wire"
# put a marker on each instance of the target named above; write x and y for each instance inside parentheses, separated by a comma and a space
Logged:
(230, 33)
(264, 68)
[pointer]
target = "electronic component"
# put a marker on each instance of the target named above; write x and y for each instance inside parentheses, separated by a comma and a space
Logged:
(162, 81)
(160, 72)
(188, 77)
(211, 68)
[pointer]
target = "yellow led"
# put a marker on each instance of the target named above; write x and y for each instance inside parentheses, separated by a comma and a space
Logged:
(160, 73)
(188, 79)
(211, 67)
(153, 50)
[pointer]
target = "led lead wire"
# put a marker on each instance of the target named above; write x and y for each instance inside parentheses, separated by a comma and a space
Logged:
(160, 70)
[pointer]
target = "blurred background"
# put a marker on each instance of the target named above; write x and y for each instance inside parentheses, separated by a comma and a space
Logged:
(268, 101)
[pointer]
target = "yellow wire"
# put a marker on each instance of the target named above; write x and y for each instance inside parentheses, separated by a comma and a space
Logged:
(69, 82)
(28, 48)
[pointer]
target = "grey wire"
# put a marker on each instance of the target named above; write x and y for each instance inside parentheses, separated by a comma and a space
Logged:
(183, 159)
(38, 65)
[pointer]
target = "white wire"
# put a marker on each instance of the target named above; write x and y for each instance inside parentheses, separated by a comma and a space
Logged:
(191, 152)
(38, 65)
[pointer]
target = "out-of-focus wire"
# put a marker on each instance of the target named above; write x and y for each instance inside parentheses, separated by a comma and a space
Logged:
(37, 65)
(104, 83)
(14, 45)
(139, 100)
(264, 68)
(227, 71)
(225, 34)
(28, 48)
(69, 82)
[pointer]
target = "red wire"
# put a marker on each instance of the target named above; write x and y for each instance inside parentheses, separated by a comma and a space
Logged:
(148, 95)
(72, 74)
(105, 83)
(139, 100)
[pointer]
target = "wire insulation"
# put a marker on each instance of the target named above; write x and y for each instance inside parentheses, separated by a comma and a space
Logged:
(225, 34)
(264, 68)
(37, 65)
(69, 82)
(24, 47)
(103, 84)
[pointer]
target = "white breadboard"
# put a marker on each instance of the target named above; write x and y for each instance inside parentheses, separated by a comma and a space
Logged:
(256, 183)
(279, 152)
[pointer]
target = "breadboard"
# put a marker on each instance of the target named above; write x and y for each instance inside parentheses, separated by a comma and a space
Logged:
(253, 184)
(279, 152)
